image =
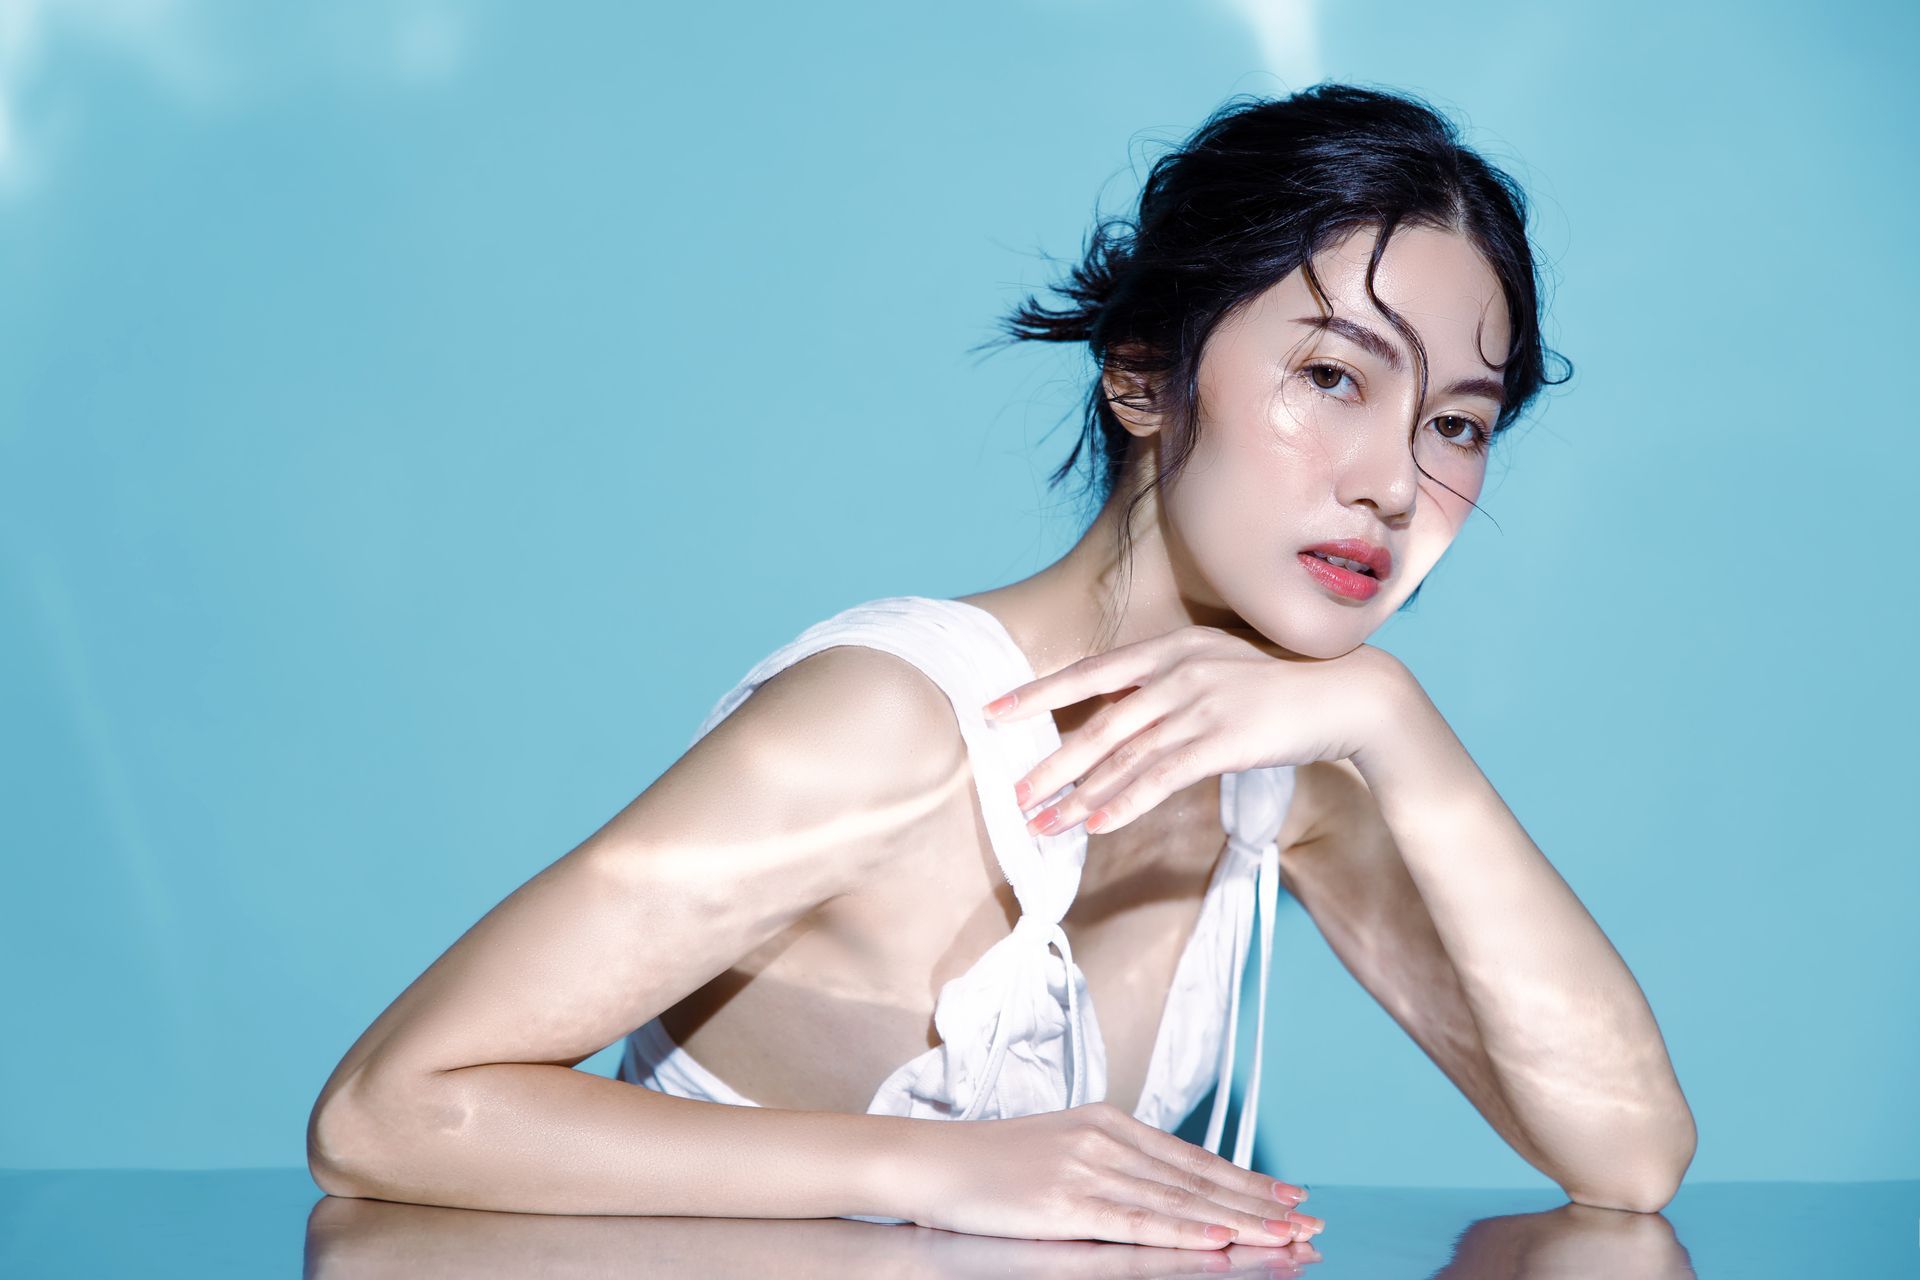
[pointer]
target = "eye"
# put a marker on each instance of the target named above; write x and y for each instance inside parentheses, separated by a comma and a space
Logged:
(1475, 436)
(1324, 375)
(1313, 371)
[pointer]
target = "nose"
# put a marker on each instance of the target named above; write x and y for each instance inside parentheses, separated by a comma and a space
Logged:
(1378, 468)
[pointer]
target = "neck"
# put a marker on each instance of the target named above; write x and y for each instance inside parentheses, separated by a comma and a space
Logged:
(1089, 602)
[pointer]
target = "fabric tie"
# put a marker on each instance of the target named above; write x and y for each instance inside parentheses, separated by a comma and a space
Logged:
(1044, 934)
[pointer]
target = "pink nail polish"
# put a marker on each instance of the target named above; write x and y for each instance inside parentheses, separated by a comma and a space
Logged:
(1022, 793)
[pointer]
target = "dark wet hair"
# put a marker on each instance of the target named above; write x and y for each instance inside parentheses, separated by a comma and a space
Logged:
(1257, 190)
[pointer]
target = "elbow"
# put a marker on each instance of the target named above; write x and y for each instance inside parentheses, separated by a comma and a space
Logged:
(348, 1139)
(332, 1155)
(1646, 1188)
(1645, 1195)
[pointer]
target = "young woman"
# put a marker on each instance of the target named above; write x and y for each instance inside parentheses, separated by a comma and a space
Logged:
(913, 850)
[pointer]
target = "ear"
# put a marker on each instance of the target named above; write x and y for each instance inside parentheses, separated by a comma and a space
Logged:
(1129, 395)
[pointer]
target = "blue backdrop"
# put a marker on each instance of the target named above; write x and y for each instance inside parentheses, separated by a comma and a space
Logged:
(413, 415)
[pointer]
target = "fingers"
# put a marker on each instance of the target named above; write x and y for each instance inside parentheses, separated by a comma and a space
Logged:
(1258, 1220)
(1077, 681)
(1184, 1155)
(1205, 1207)
(1194, 1184)
(1114, 727)
(1140, 772)
(1262, 1214)
(1143, 1224)
(1136, 778)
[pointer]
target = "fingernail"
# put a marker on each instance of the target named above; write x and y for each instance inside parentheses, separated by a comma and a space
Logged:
(1022, 792)
(1218, 1232)
(1043, 822)
(1097, 819)
(1002, 703)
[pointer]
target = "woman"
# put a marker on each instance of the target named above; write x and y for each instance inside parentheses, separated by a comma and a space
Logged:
(912, 851)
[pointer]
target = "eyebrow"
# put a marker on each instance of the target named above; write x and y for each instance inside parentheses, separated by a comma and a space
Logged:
(1371, 342)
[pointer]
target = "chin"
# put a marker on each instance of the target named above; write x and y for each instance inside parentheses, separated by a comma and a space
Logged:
(1329, 641)
(1337, 648)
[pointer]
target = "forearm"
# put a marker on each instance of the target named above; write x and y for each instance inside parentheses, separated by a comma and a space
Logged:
(1579, 1057)
(534, 1138)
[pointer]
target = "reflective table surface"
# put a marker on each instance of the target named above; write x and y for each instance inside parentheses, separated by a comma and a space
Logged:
(260, 1222)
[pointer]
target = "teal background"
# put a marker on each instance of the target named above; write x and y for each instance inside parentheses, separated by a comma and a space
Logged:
(414, 415)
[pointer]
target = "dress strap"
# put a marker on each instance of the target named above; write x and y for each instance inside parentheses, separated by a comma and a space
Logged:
(1253, 806)
(1044, 872)
(1019, 1019)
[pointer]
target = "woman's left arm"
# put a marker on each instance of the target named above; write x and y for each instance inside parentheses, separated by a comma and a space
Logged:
(1564, 1029)
(1420, 877)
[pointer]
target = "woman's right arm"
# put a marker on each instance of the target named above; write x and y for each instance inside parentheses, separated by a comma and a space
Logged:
(463, 1093)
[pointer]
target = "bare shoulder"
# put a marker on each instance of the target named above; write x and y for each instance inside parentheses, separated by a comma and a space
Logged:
(834, 759)
(852, 705)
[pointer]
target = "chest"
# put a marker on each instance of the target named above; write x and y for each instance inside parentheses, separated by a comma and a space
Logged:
(1141, 895)
(849, 991)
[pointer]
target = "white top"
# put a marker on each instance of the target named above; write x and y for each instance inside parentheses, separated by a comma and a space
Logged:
(1018, 1035)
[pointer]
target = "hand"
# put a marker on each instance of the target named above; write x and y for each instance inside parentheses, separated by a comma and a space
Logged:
(1204, 701)
(1093, 1172)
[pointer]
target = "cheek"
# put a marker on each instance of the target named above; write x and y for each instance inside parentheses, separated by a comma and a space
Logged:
(1290, 424)
(1255, 469)
(1453, 501)
(1239, 503)
(1280, 440)
(1272, 466)
(1218, 503)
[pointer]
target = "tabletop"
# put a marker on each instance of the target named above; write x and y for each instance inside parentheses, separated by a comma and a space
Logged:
(258, 1222)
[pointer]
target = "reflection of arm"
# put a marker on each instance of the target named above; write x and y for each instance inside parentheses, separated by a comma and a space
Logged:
(1446, 910)
(462, 1093)
(1571, 1240)
(372, 1240)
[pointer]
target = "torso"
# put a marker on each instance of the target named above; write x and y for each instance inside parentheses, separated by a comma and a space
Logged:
(825, 1011)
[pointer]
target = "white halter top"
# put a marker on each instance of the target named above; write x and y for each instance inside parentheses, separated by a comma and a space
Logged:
(1018, 1035)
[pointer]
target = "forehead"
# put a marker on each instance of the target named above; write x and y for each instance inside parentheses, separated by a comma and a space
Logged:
(1436, 281)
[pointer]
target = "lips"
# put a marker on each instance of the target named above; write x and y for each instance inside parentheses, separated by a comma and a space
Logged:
(1377, 559)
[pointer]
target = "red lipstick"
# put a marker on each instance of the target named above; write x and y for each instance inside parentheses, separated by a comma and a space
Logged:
(1355, 584)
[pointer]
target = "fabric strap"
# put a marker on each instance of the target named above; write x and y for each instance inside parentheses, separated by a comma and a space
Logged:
(1265, 888)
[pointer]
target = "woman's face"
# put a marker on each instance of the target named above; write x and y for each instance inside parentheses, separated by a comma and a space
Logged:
(1304, 439)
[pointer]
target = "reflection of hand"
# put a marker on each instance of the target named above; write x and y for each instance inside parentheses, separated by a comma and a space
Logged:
(1092, 1172)
(1573, 1240)
(368, 1239)
(1195, 703)
(951, 1255)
